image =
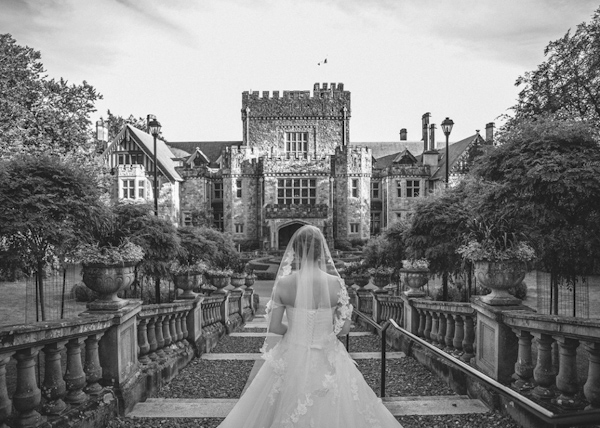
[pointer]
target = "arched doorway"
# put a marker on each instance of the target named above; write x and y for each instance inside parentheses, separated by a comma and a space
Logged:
(286, 232)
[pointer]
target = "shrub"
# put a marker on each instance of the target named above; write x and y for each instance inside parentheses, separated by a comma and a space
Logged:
(343, 245)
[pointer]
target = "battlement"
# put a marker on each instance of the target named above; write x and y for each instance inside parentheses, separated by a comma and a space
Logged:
(319, 91)
(243, 150)
(350, 150)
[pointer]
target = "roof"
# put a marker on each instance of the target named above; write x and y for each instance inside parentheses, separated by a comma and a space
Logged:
(455, 151)
(380, 149)
(211, 149)
(164, 156)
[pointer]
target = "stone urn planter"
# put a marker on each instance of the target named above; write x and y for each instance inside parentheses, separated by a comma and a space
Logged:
(238, 280)
(219, 282)
(249, 281)
(107, 281)
(499, 276)
(361, 280)
(415, 279)
(187, 282)
(381, 281)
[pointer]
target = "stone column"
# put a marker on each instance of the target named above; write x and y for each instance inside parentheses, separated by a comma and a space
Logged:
(524, 364)
(193, 325)
(591, 389)
(442, 331)
(497, 346)
(27, 397)
(92, 367)
(566, 380)
(469, 340)
(143, 344)
(152, 345)
(459, 334)
(75, 376)
(5, 403)
(543, 373)
(449, 333)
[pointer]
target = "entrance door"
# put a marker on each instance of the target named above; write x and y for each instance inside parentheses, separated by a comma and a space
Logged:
(285, 234)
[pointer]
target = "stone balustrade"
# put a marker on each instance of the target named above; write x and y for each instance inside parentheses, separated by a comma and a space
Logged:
(73, 343)
(162, 329)
(387, 307)
(567, 334)
(365, 302)
(447, 325)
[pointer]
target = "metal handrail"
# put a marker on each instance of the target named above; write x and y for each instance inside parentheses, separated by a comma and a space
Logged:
(568, 419)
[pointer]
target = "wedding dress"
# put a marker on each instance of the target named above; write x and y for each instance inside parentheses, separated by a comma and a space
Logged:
(308, 378)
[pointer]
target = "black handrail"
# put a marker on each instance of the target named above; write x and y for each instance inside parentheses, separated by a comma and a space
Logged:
(554, 419)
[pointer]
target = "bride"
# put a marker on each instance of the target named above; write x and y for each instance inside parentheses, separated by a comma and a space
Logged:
(308, 379)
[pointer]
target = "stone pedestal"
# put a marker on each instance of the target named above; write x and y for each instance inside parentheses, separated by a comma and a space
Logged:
(497, 344)
(118, 348)
(194, 324)
(411, 316)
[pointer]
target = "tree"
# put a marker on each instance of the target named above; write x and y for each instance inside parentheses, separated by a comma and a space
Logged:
(567, 83)
(116, 123)
(387, 248)
(46, 205)
(544, 178)
(437, 229)
(40, 114)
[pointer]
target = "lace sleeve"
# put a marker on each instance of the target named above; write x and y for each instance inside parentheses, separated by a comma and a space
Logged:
(343, 310)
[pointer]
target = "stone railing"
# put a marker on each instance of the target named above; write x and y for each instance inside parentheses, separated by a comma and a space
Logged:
(567, 334)
(447, 325)
(103, 363)
(37, 400)
(386, 307)
(364, 302)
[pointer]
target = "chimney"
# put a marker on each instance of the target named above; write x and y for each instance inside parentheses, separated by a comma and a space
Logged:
(425, 122)
(403, 134)
(148, 119)
(432, 136)
(101, 130)
(489, 133)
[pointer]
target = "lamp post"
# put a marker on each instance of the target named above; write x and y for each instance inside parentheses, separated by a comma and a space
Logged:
(154, 128)
(447, 128)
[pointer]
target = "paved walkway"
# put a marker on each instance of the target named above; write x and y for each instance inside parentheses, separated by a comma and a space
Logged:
(219, 408)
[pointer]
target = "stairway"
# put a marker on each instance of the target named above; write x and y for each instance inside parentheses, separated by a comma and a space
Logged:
(220, 407)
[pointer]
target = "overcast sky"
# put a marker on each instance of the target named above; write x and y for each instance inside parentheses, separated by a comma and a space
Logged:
(188, 62)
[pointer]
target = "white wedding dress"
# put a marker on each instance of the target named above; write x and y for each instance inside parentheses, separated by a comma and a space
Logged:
(309, 380)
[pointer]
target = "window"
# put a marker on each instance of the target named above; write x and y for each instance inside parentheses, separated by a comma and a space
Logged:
(218, 220)
(141, 189)
(375, 190)
(399, 188)
(238, 185)
(187, 218)
(218, 190)
(298, 191)
(413, 188)
(128, 189)
(354, 227)
(296, 142)
(375, 223)
(239, 228)
(355, 187)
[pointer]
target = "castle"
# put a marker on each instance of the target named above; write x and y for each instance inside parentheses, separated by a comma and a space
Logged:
(295, 165)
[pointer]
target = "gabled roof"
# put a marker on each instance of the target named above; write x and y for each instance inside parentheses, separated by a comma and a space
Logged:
(455, 151)
(146, 142)
(198, 154)
(211, 149)
(380, 149)
(405, 157)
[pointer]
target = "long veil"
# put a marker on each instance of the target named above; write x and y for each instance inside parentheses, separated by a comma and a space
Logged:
(307, 272)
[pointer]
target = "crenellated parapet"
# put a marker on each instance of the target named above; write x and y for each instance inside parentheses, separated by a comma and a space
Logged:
(326, 102)
(284, 164)
(241, 159)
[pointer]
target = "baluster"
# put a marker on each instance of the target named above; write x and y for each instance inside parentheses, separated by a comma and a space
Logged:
(459, 334)
(427, 331)
(435, 324)
(92, 367)
(184, 330)
(543, 373)
(566, 380)
(75, 376)
(166, 329)
(54, 387)
(449, 333)
(152, 338)
(160, 340)
(524, 364)
(143, 341)
(422, 322)
(441, 331)
(174, 319)
(179, 331)
(28, 396)
(591, 389)
(468, 340)
(5, 403)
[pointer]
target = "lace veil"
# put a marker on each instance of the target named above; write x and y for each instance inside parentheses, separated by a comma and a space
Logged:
(307, 282)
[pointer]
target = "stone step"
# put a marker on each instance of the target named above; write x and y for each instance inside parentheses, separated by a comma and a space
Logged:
(263, 334)
(256, 356)
(220, 407)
